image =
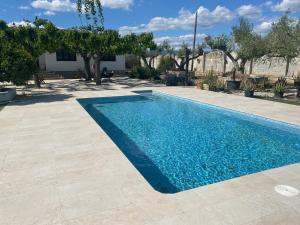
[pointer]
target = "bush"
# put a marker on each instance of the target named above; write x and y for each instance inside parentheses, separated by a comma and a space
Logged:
(248, 84)
(280, 85)
(211, 80)
(174, 80)
(145, 73)
(165, 64)
(16, 66)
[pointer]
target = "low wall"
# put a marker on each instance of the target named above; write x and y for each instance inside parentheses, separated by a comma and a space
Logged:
(217, 62)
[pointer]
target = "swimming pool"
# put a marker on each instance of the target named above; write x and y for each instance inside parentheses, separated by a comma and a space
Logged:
(178, 144)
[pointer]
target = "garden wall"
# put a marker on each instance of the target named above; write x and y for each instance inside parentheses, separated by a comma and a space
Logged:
(217, 62)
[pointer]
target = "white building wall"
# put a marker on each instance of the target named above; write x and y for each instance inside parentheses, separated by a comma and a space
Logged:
(51, 64)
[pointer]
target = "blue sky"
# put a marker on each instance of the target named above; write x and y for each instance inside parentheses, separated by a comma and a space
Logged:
(167, 19)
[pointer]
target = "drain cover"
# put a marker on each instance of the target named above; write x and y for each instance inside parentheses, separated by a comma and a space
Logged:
(286, 190)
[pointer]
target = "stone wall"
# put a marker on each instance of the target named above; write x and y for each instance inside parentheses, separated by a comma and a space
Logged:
(217, 62)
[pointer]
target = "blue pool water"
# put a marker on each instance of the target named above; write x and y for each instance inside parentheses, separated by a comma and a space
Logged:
(178, 144)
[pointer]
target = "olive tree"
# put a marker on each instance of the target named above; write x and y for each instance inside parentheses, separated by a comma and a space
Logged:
(182, 57)
(284, 41)
(249, 45)
(78, 40)
(143, 46)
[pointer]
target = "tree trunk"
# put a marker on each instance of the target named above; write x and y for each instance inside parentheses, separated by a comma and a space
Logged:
(251, 66)
(233, 73)
(204, 61)
(37, 81)
(97, 71)
(36, 78)
(287, 66)
(146, 62)
(242, 66)
(186, 66)
(224, 63)
(87, 69)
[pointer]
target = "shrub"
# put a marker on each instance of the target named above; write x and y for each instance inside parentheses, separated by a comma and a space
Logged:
(211, 80)
(145, 73)
(174, 80)
(297, 80)
(280, 86)
(220, 85)
(16, 66)
(248, 84)
(165, 64)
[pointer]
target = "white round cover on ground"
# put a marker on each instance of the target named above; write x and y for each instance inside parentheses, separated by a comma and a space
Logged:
(286, 190)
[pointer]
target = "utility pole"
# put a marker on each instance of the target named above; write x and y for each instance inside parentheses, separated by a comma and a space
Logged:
(194, 43)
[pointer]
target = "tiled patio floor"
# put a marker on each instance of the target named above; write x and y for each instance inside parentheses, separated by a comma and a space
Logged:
(57, 167)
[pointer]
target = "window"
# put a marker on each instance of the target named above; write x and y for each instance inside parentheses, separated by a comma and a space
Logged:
(62, 55)
(108, 58)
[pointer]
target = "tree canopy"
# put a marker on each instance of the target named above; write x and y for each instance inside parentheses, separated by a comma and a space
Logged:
(283, 40)
(92, 10)
(16, 64)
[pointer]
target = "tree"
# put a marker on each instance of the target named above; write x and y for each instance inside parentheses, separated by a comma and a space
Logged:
(183, 56)
(143, 46)
(78, 40)
(245, 44)
(38, 39)
(166, 63)
(92, 9)
(104, 43)
(283, 40)
(249, 45)
(16, 64)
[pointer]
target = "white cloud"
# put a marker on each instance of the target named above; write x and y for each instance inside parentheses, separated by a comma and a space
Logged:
(49, 13)
(287, 5)
(264, 27)
(177, 41)
(54, 5)
(117, 4)
(267, 4)
(249, 11)
(24, 7)
(20, 23)
(184, 20)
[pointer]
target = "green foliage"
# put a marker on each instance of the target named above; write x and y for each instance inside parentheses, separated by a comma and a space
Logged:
(92, 10)
(212, 80)
(249, 44)
(283, 40)
(17, 65)
(248, 84)
(223, 43)
(184, 55)
(280, 85)
(145, 73)
(174, 80)
(220, 85)
(166, 63)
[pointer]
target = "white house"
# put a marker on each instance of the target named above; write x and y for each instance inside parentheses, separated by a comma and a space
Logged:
(62, 61)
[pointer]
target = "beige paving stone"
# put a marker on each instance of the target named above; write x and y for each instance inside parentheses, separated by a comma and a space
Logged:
(247, 208)
(289, 217)
(127, 215)
(39, 207)
(203, 215)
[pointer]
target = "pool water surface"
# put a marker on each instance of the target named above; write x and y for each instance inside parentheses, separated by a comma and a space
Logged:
(177, 144)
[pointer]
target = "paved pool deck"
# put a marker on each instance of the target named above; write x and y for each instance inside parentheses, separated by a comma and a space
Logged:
(58, 167)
